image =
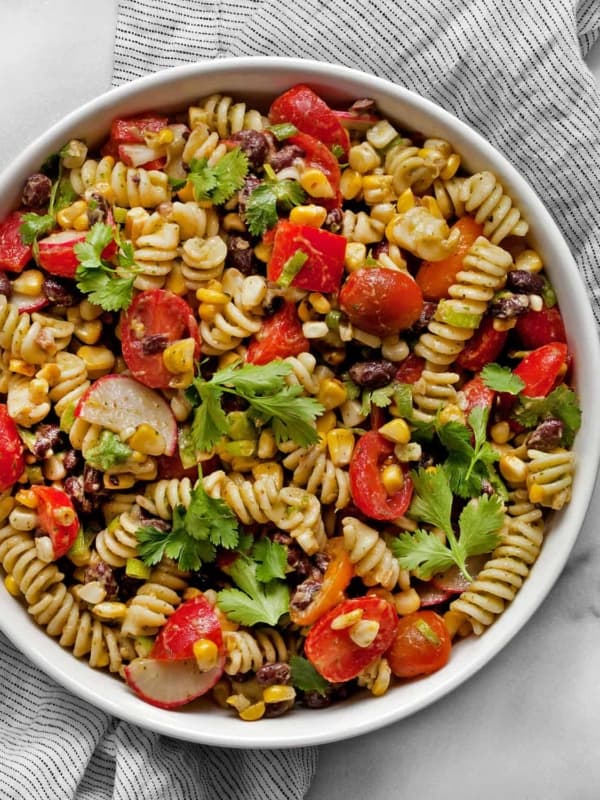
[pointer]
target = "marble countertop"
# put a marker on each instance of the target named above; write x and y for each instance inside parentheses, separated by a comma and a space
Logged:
(527, 725)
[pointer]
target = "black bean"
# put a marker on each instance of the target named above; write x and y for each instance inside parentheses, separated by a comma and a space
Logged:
(508, 305)
(47, 438)
(372, 374)
(285, 156)
(333, 220)
(256, 146)
(57, 293)
(5, 285)
(322, 561)
(305, 593)
(36, 192)
(97, 209)
(525, 282)
(316, 699)
(72, 461)
(92, 480)
(277, 709)
(103, 573)
(155, 343)
(269, 674)
(424, 318)
(240, 255)
(548, 435)
(244, 193)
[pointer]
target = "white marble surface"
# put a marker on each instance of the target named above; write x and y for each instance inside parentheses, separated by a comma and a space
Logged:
(527, 726)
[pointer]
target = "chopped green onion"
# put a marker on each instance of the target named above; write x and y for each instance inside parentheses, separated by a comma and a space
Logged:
(292, 267)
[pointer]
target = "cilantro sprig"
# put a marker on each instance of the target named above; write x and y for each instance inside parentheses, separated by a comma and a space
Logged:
(560, 403)
(501, 379)
(269, 197)
(306, 678)
(195, 533)
(107, 286)
(270, 399)
(220, 182)
(259, 596)
(422, 551)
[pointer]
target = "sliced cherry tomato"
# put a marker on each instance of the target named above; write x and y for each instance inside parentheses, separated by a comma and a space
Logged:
(194, 619)
(484, 346)
(476, 393)
(337, 576)
(155, 320)
(56, 252)
(279, 337)
(12, 462)
(323, 269)
(53, 505)
(536, 328)
(333, 653)
(422, 645)
(410, 370)
(541, 369)
(318, 155)
(131, 130)
(366, 485)
(301, 106)
(14, 255)
(436, 277)
(381, 301)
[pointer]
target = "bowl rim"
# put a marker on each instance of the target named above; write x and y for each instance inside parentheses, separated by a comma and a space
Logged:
(28, 638)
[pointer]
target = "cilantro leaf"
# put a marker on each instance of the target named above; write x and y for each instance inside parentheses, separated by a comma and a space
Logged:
(108, 452)
(501, 379)
(306, 678)
(209, 423)
(422, 552)
(111, 294)
(253, 602)
(560, 403)
(468, 464)
(432, 498)
(107, 287)
(220, 182)
(34, 225)
(265, 200)
(479, 523)
(272, 558)
(211, 518)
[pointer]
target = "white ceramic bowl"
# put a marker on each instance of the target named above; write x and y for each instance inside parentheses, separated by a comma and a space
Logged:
(260, 79)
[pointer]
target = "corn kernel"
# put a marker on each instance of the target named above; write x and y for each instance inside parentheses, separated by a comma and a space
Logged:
(269, 469)
(407, 602)
(49, 372)
(453, 620)
(7, 503)
(392, 478)
(99, 360)
(504, 324)
(263, 251)
(451, 167)
(279, 693)
(319, 302)
(500, 433)
(88, 332)
(316, 184)
(147, 440)
(238, 701)
(406, 201)
(315, 329)
(340, 444)
(382, 681)
(21, 367)
(125, 480)
(12, 586)
(363, 158)
(66, 216)
(343, 621)
(207, 312)
(451, 413)
(179, 356)
(355, 256)
(537, 493)
(267, 446)
(38, 390)
(73, 154)
(431, 204)
(186, 193)
(378, 189)
(364, 632)
(212, 296)
(350, 184)
(109, 611)
(513, 469)
(29, 283)
(396, 431)
(381, 134)
(326, 422)
(44, 549)
(253, 712)
(332, 393)
(27, 498)
(310, 214)
(529, 260)
(305, 312)
(206, 654)
(175, 280)
(81, 223)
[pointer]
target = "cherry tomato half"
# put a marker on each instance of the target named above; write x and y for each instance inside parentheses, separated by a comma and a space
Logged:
(536, 328)
(337, 576)
(334, 654)
(436, 277)
(422, 645)
(279, 337)
(541, 369)
(323, 269)
(484, 346)
(155, 320)
(57, 517)
(366, 485)
(410, 370)
(12, 462)
(301, 106)
(14, 255)
(381, 301)
(132, 130)
(194, 619)
(476, 393)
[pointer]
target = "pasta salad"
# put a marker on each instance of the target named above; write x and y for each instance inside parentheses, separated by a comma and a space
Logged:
(286, 402)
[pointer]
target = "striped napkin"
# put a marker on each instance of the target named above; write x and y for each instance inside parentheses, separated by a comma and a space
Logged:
(515, 72)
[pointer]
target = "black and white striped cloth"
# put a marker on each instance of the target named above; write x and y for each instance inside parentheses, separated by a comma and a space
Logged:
(513, 70)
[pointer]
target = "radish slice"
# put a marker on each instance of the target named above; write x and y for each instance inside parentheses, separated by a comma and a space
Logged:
(453, 581)
(26, 303)
(356, 122)
(121, 404)
(170, 684)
